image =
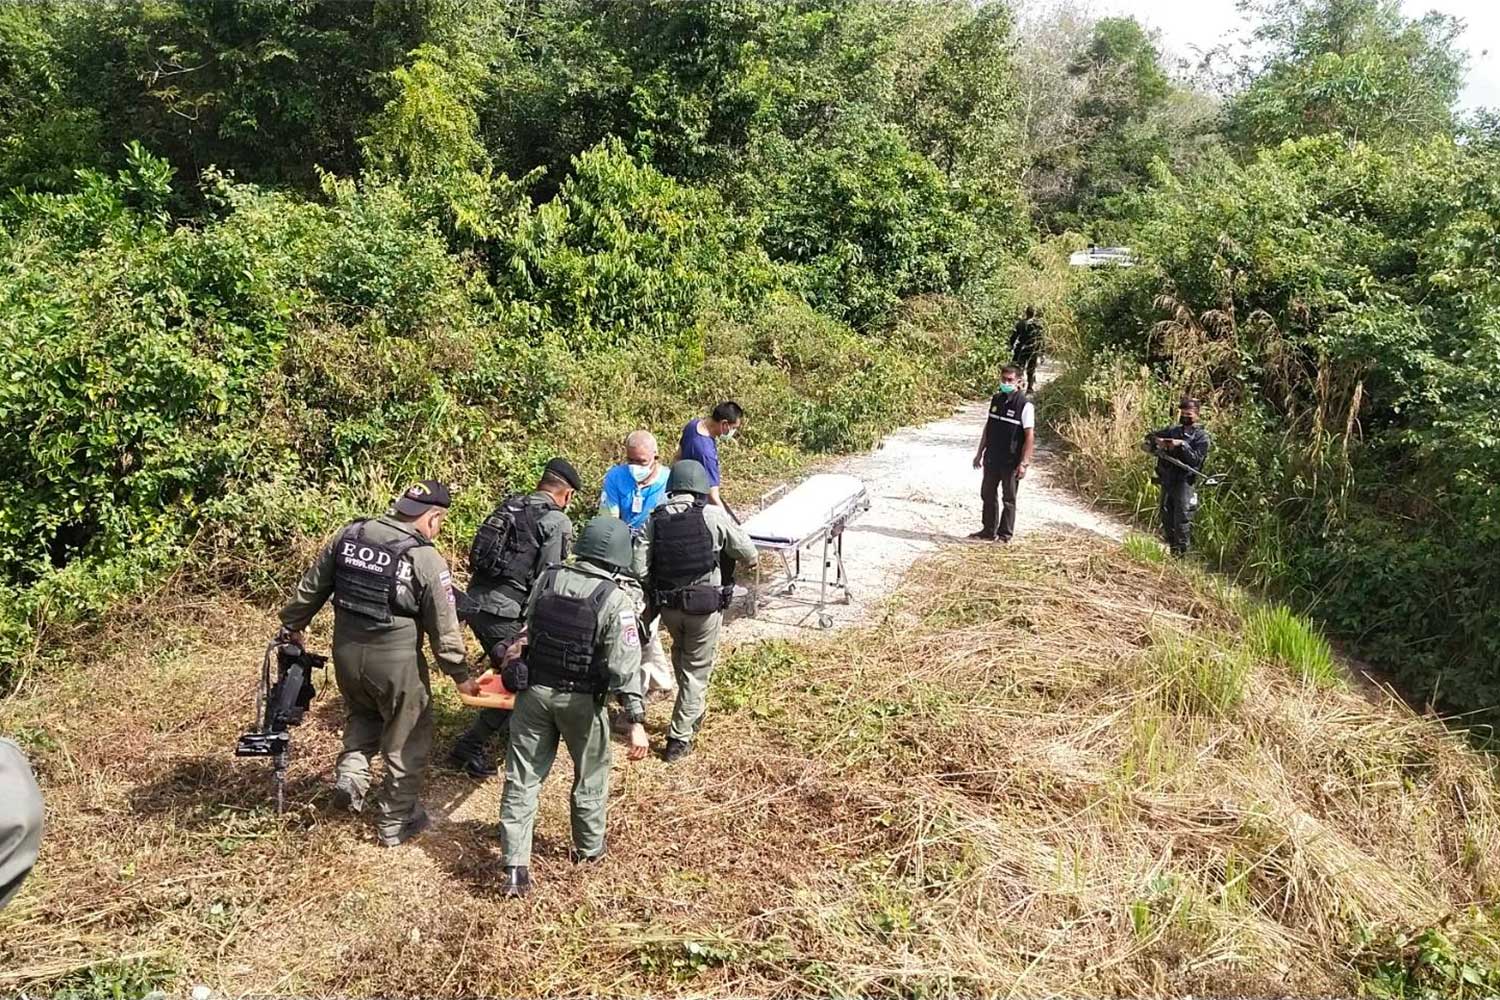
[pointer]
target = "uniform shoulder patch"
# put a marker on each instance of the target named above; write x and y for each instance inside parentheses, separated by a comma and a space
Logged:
(445, 580)
(630, 633)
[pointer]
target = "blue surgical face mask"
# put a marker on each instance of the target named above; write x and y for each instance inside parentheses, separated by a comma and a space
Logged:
(1008, 388)
(642, 472)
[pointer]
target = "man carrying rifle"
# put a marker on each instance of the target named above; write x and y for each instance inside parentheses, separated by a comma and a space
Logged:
(1180, 452)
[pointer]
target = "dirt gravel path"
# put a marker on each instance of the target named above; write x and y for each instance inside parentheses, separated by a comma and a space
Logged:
(924, 494)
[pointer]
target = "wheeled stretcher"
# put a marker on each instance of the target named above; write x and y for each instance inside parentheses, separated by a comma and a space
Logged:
(815, 510)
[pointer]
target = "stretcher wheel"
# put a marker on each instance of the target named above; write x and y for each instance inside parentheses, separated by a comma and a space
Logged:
(791, 588)
(825, 621)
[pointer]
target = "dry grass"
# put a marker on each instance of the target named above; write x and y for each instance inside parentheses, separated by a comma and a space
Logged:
(1026, 781)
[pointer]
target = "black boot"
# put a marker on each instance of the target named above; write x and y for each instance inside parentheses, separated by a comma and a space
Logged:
(517, 882)
(676, 750)
(475, 765)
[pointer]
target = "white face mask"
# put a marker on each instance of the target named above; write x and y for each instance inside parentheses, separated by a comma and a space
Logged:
(642, 472)
(729, 434)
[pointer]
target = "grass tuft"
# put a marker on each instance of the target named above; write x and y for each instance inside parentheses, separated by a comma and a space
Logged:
(1281, 636)
(1145, 549)
(1196, 675)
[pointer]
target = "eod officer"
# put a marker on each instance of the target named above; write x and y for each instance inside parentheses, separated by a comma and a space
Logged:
(684, 541)
(389, 587)
(582, 644)
(521, 537)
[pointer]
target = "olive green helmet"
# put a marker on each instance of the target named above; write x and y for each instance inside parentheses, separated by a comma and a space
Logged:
(605, 540)
(689, 476)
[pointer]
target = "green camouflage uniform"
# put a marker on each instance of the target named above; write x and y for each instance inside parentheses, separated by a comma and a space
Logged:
(695, 638)
(543, 715)
(382, 673)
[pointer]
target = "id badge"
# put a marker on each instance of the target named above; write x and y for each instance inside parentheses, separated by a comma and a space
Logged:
(637, 502)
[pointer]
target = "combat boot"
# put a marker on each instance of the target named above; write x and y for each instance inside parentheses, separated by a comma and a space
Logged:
(676, 750)
(347, 796)
(411, 829)
(475, 765)
(517, 882)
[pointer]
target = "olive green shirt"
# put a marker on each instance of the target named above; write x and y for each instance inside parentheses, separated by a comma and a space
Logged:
(556, 538)
(424, 601)
(727, 535)
(617, 634)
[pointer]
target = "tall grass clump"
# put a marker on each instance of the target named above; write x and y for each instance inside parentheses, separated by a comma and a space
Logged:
(1144, 548)
(1195, 675)
(1281, 636)
(1342, 337)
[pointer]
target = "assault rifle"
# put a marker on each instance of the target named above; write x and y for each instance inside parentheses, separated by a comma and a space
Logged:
(280, 704)
(1151, 447)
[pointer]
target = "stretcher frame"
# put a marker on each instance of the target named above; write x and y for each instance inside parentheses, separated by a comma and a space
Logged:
(789, 552)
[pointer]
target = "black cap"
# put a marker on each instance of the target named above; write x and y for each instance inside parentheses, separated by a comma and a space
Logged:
(418, 497)
(560, 468)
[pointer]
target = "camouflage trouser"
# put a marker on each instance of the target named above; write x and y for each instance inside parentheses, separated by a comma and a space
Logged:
(541, 718)
(388, 701)
(695, 640)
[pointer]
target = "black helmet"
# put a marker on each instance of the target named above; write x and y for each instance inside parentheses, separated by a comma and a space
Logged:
(605, 540)
(689, 476)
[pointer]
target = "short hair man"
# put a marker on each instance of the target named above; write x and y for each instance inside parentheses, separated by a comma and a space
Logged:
(632, 491)
(700, 443)
(390, 587)
(1005, 449)
(1187, 442)
(633, 488)
(521, 537)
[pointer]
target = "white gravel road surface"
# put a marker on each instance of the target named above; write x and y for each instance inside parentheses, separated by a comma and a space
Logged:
(924, 494)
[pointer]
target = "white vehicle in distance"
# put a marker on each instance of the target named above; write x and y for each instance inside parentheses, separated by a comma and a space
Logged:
(1101, 256)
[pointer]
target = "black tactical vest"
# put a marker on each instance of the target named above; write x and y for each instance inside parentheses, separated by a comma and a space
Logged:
(560, 652)
(1006, 439)
(366, 574)
(507, 543)
(682, 547)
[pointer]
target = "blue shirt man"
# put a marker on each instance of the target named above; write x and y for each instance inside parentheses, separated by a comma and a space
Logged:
(634, 488)
(700, 441)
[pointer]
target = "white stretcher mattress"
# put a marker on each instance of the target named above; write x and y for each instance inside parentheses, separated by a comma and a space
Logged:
(807, 509)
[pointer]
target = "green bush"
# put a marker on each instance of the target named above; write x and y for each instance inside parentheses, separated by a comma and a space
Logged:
(222, 393)
(1331, 303)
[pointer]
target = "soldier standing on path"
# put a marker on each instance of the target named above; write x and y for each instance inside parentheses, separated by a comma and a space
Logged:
(1026, 345)
(1188, 443)
(521, 537)
(685, 540)
(582, 643)
(389, 587)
